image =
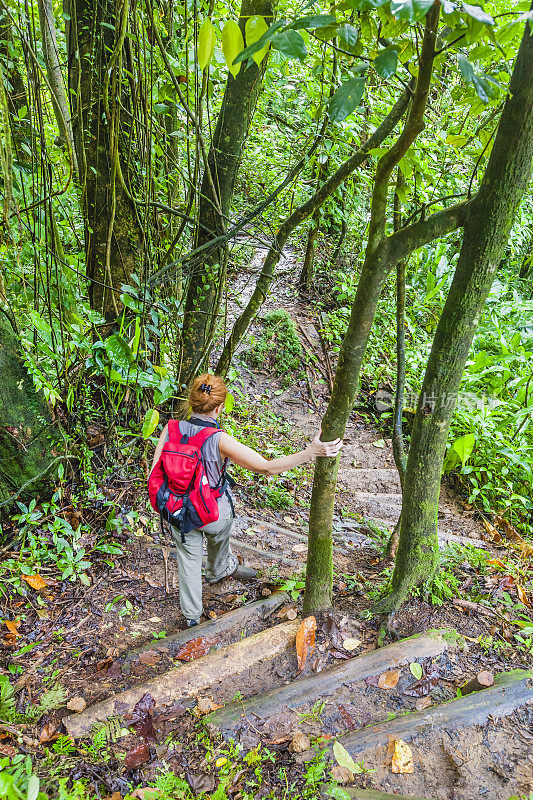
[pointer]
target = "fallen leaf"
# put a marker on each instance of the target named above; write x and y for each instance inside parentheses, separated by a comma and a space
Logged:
(300, 742)
(48, 732)
(7, 750)
(344, 759)
(351, 644)
(423, 702)
(347, 718)
(35, 581)
(205, 705)
(388, 680)
(201, 783)
(425, 685)
(220, 762)
(289, 520)
(195, 648)
(150, 657)
(342, 775)
(402, 758)
(305, 640)
(416, 670)
(522, 596)
(13, 626)
(137, 755)
(76, 704)
(495, 562)
(299, 548)
(154, 619)
(141, 718)
(379, 443)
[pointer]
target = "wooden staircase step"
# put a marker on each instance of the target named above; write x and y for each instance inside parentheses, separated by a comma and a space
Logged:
(190, 678)
(309, 690)
(510, 691)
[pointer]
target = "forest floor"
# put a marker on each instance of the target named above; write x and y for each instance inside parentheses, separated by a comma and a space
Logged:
(121, 641)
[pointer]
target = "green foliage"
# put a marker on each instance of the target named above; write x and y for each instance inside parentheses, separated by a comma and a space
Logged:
(278, 347)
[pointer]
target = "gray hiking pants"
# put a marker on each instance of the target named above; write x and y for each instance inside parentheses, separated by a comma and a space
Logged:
(189, 558)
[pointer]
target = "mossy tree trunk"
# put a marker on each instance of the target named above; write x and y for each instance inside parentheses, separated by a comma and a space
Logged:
(29, 440)
(216, 193)
(114, 240)
(487, 228)
(380, 257)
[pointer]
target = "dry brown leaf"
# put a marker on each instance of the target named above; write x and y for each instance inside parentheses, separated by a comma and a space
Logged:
(150, 657)
(522, 596)
(35, 581)
(402, 758)
(7, 750)
(305, 640)
(300, 742)
(76, 704)
(342, 775)
(389, 679)
(423, 702)
(48, 732)
(205, 705)
(351, 644)
(13, 626)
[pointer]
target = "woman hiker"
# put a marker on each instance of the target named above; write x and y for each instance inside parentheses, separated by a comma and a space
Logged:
(206, 400)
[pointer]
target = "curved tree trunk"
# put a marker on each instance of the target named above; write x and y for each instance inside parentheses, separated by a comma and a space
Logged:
(487, 228)
(225, 155)
(30, 443)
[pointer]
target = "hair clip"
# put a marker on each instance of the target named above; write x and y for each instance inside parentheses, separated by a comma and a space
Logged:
(206, 387)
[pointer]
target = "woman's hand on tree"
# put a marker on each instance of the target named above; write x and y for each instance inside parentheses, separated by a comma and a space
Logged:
(331, 449)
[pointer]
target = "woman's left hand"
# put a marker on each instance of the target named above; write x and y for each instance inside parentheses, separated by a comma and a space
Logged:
(325, 449)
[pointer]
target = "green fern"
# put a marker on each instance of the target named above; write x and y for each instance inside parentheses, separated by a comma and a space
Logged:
(7, 699)
(51, 699)
(106, 733)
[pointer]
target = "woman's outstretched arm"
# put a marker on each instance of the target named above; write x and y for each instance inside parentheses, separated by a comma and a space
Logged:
(249, 459)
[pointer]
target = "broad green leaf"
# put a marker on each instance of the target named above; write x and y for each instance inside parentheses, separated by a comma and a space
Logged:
(416, 670)
(229, 403)
(348, 37)
(410, 9)
(206, 43)
(312, 21)
(464, 446)
(255, 29)
(327, 32)
(344, 759)
(386, 62)
(478, 14)
(366, 5)
(346, 99)
(151, 421)
(338, 793)
(33, 788)
(290, 44)
(232, 45)
(119, 351)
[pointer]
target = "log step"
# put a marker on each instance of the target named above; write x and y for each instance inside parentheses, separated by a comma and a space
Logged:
(510, 691)
(216, 628)
(314, 687)
(190, 678)
(371, 794)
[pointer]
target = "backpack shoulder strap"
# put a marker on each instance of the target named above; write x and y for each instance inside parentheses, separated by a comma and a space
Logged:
(202, 436)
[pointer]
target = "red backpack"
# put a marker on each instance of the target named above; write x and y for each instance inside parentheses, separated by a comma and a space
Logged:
(178, 486)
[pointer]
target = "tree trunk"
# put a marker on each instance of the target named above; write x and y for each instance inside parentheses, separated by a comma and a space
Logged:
(487, 227)
(375, 270)
(55, 77)
(114, 239)
(305, 281)
(29, 441)
(225, 154)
